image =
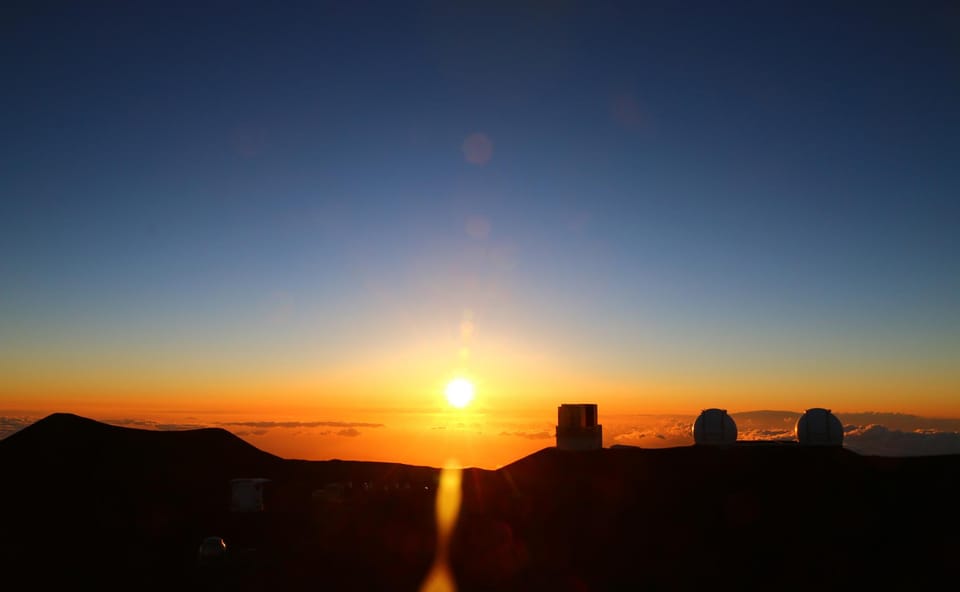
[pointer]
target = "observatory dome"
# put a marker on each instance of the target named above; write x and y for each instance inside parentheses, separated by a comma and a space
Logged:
(819, 427)
(714, 426)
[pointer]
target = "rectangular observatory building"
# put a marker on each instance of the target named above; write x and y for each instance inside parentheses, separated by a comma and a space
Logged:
(577, 427)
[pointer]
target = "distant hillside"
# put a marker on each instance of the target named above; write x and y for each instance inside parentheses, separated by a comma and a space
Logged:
(78, 445)
(65, 446)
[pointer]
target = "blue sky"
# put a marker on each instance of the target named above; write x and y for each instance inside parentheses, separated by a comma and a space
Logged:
(731, 183)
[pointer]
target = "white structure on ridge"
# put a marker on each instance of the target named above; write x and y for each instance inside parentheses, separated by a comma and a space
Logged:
(819, 427)
(577, 427)
(714, 426)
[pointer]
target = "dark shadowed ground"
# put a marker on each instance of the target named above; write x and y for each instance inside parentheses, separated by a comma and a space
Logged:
(86, 504)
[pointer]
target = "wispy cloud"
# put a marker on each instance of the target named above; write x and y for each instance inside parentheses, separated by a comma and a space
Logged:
(300, 424)
(655, 431)
(246, 433)
(344, 429)
(10, 425)
(147, 424)
(878, 440)
(326, 428)
(901, 421)
(765, 434)
(530, 435)
(636, 435)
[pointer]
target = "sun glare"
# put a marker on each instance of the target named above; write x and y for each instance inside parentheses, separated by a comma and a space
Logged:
(459, 392)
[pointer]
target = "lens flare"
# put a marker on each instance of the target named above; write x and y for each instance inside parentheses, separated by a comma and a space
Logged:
(440, 578)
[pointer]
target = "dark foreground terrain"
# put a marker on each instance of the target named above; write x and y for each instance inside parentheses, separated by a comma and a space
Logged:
(94, 506)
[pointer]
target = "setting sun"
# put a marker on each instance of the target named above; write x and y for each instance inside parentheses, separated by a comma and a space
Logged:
(459, 392)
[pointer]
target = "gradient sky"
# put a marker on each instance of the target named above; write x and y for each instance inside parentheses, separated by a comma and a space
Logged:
(325, 210)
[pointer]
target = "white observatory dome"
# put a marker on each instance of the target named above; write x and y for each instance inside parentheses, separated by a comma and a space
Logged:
(819, 427)
(714, 426)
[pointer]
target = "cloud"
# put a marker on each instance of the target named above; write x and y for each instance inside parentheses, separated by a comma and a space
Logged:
(245, 433)
(765, 434)
(346, 429)
(529, 434)
(637, 434)
(878, 440)
(870, 433)
(766, 425)
(901, 421)
(896, 434)
(652, 431)
(10, 425)
(785, 419)
(301, 424)
(147, 424)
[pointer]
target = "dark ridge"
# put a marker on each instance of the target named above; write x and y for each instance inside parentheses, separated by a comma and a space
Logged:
(73, 442)
(110, 505)
(64, 469)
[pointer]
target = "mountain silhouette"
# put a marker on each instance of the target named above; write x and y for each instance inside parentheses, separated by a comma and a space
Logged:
(90, 504)
(71, 442)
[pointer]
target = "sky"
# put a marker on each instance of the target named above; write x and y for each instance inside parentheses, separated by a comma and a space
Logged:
(302, 220)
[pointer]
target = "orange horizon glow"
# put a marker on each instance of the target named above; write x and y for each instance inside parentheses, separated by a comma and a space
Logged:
(931, 397)
(420, 427)
(406, 391)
